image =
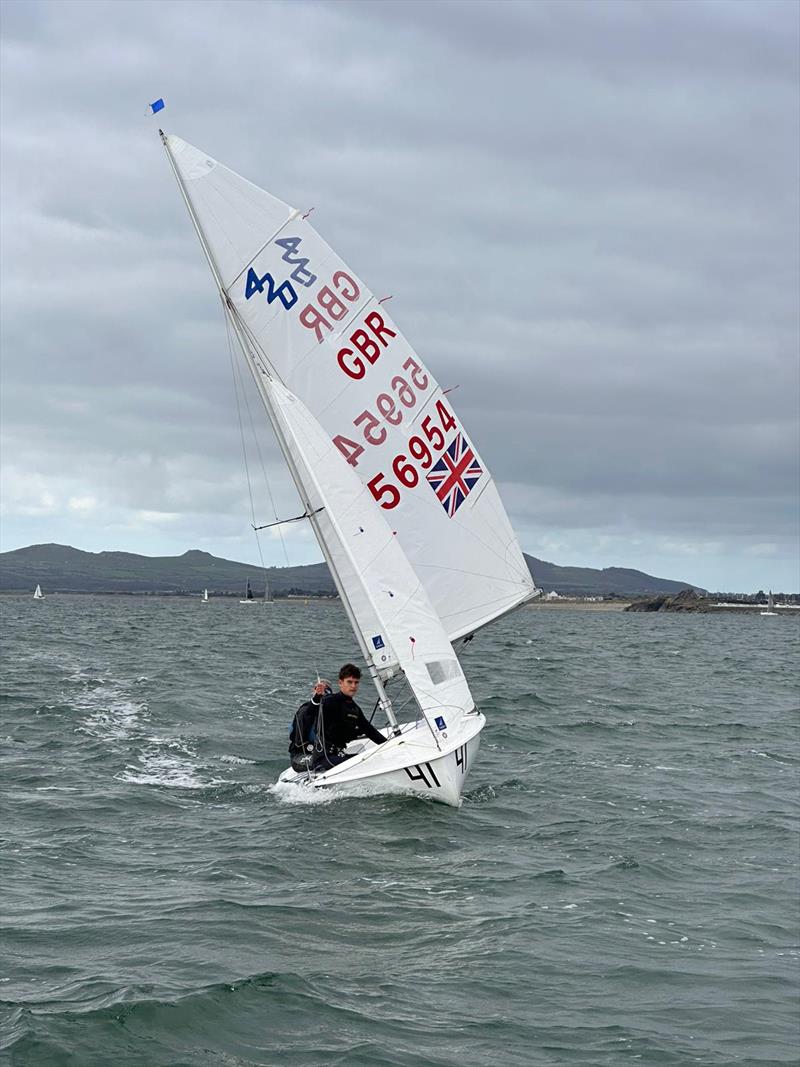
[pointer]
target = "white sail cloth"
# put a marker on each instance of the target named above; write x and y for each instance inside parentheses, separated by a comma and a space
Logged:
(397, 620)
(321, 332)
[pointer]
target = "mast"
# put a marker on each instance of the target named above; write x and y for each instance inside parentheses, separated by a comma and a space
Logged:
(259, 372)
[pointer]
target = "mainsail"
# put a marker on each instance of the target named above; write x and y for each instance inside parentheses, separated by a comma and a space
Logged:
(311, 324)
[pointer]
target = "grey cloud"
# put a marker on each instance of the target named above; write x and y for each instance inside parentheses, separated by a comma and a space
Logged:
(587, 214)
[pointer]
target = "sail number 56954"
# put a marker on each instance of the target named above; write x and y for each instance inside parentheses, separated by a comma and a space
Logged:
(387, 493)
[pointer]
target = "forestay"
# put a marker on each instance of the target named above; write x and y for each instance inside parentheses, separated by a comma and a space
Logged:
(322, 333)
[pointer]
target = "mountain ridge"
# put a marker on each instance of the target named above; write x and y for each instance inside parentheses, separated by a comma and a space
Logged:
(64, 569)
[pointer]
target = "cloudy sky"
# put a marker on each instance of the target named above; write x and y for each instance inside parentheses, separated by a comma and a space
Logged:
(586, 213)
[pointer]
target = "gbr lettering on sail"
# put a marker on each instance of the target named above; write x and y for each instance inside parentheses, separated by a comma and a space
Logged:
(335, 346)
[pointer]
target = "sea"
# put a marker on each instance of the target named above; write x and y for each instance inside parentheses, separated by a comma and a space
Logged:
(620, 884)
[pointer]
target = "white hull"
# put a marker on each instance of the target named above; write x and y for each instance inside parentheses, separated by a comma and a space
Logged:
(411, 763)
(769, 613)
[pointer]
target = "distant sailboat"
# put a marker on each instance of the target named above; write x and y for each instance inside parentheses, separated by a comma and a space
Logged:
(770, 606)
(250, 599)
(204, 598)
(38, 594)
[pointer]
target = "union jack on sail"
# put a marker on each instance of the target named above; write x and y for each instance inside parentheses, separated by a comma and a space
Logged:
(455, 475)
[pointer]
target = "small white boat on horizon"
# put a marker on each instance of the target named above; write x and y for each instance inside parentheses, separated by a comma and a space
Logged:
(770, 605)
(37, 593)
(248, 596)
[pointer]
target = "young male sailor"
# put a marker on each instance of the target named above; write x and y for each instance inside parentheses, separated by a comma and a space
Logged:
(340, 720)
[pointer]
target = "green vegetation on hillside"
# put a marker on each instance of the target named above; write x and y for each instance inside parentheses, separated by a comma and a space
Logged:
(61, 569)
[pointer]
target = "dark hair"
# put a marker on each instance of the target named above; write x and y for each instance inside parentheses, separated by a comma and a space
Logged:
(349, 671)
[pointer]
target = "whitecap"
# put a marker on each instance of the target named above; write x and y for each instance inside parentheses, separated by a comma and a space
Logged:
(165, 768)
(171, 762)
(116, 719)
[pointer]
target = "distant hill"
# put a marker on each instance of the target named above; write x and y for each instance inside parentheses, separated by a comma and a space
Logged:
(587, 581)
(61, 569)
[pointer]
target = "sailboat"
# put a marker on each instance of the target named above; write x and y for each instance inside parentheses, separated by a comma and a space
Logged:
(404, 508)
(248, 596)
(204, 597)
(37, 593)
(770, 605)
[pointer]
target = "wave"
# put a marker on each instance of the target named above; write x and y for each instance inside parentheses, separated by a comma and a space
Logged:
(300, 795)
(166, 904)
(109, 709)
(168, 762)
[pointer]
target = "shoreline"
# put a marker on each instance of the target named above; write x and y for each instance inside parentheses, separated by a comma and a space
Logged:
(579, 605)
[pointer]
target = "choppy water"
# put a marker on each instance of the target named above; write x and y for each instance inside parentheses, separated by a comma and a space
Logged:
(619, 885)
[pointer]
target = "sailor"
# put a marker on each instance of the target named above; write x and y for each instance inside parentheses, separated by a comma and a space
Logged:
(340, 720)
(303, 728)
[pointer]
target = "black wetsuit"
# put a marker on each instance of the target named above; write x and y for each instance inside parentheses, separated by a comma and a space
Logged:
(303, 736)
(341, 720)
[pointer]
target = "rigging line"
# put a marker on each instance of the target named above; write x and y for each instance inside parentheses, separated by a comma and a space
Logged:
(265, 363)
(398, 709)
(257, 358)
(261, 464)
(237, 371)
(266, 366)
(237, 386)
(402, 680)
(295, 518)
